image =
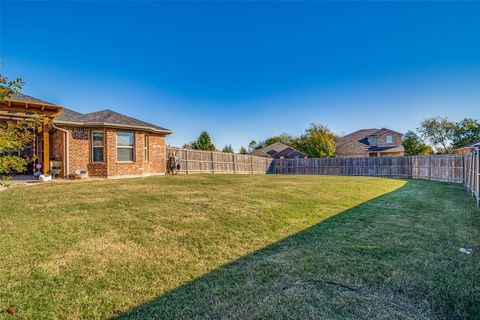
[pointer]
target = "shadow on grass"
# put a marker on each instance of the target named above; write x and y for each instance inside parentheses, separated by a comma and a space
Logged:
(393, 257)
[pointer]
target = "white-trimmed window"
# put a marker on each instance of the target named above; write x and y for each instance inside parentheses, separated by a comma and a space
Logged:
(125, 146)
(146, 147)
(389, 139)
(97, 146)
(373, 141)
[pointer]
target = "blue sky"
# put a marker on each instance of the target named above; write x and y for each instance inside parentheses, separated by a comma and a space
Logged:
(249, 70)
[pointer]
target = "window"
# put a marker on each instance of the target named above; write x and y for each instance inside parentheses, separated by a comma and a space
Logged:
(145, 147)
(373, 141)
(389, 139)
(125, 143)
(97, 146)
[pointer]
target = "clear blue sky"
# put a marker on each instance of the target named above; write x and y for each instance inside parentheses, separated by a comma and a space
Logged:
(249, 70)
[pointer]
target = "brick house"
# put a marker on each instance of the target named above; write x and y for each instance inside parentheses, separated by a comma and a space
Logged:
(105, 143)
(370, 143)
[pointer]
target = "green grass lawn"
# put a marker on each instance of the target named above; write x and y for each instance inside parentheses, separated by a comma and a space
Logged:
(236, 247)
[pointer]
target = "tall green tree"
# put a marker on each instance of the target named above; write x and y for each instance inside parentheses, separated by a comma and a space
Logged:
(414, 145)
(252, 146)
(228, 148)
(190, 145)
(9, 87)
(204, 142)
(439, 131)
(465, 132)
(317, 142)
(242, 150)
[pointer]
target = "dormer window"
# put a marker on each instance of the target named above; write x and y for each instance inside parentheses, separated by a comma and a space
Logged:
(373, 141)
(389, 139)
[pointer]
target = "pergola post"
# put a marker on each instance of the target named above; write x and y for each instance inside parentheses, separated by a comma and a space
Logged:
(46, 147)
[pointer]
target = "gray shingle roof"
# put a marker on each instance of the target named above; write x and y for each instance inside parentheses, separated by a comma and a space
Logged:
(274, 149)
(383, 130)
(386, 148)
(107, 118)
(26, 98)
(67, 115)
(289, 153)
(359, 135)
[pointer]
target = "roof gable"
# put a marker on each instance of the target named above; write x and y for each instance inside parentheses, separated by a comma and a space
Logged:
(277, 147)
(275, 150)
(385, 130)
(289, 152)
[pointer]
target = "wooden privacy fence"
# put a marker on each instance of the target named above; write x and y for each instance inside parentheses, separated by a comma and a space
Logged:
(437, 167)
(458, 168)
(197, 161)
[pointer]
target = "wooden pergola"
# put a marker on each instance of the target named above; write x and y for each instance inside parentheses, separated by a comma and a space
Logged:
(14, 110)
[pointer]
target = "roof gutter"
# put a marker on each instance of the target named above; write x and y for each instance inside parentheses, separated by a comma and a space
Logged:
(67, 149)
(111, 125)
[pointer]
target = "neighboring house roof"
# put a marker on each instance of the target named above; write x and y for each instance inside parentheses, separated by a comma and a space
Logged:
(289, 153)
(386, 149)
(105, 118)
(277, 147)
(470, 145)
(277, 150)
(260, 153)
(383, 130)
(359, 135)
(26, 98)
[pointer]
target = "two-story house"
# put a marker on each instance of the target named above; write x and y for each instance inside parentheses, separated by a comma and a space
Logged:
(370, 143)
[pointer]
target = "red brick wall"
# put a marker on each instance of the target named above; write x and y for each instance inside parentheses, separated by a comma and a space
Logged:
(138, 166)
(79, 149)
(352, 149)
(382, 139)
(57, 146)
(80, 157)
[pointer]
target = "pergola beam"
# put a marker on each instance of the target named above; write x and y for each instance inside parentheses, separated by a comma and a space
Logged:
(26, 110)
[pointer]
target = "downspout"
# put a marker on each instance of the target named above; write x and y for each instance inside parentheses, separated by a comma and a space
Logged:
(67, 149)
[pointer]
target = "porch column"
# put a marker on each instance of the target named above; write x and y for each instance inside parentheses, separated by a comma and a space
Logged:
(46, 147)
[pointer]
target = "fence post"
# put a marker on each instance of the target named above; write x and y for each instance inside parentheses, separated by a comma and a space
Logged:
(213, 162)
(251, 164)
(234, 163)
(472, 173)
(186, 161)
(430, 167)
(477, 173)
